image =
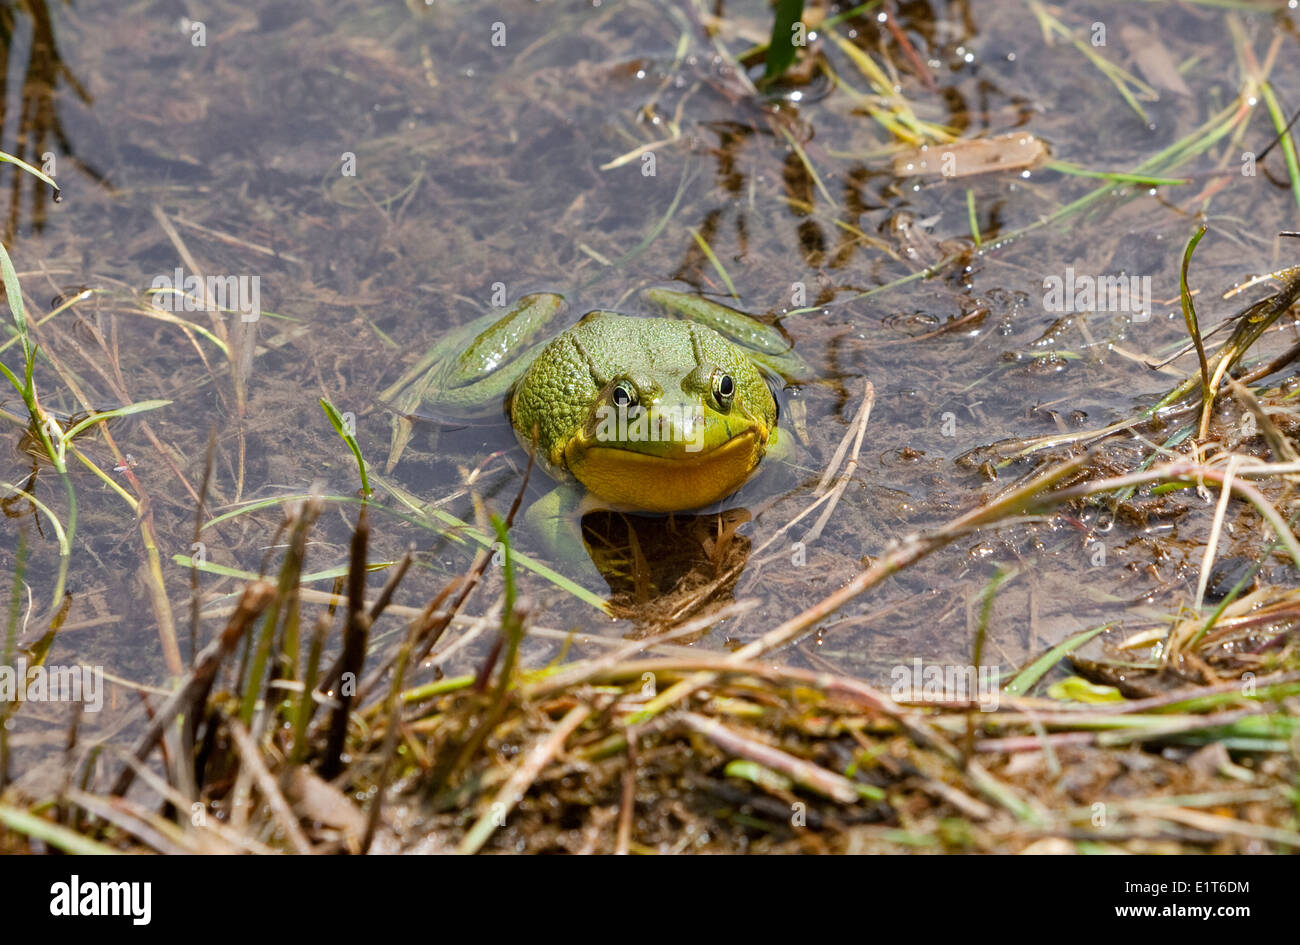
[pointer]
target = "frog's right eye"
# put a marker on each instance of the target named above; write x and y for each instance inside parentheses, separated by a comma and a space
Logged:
(623, 394)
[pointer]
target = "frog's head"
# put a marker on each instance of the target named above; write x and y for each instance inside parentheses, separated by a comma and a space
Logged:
(665, 415)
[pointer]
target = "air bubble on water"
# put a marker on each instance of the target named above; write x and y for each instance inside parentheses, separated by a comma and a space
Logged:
(969, 57)
(1252, 101)
(640, 73)
(1011, 57)
(882, 17)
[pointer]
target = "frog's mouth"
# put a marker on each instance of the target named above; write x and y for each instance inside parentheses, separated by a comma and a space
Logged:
(667, 481)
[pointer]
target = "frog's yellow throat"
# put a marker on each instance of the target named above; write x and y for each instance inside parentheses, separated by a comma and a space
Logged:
(675, 483)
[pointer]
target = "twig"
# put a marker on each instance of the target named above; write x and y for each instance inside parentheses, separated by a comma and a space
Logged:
(355, 634)
(805, 773)
(280, 809)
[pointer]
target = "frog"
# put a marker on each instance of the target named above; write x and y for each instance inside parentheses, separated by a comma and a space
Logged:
(669, 409)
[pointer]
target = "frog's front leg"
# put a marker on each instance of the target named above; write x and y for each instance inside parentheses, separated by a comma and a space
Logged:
(467, 373)
(556, 519)
(764, 343)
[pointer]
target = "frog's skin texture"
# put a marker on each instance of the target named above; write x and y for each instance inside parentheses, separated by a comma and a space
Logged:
(655, 414)
(652, 414)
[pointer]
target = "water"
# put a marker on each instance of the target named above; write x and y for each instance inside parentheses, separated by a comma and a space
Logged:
(375, 172)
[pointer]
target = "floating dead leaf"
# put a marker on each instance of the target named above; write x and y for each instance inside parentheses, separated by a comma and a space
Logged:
(1010, 152)
(1153, 59)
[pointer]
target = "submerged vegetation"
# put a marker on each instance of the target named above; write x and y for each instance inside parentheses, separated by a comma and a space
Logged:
(1031, 585)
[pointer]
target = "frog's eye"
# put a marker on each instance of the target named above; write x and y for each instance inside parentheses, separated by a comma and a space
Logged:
(724, 389)
(623, 394)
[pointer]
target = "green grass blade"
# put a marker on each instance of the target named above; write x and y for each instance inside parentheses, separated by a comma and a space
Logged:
(781, 49)
(126, 411)
(1194, 328)
(50, 833)
(339, 427)
(1118, 177)
(521, 559)
(974, 219)
(1036, 670)
(64, 548)
(1288, 140)
(7, 158)
(208, 567)
(717, 263)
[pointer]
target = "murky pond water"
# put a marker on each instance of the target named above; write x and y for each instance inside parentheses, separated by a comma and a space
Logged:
(369, 175)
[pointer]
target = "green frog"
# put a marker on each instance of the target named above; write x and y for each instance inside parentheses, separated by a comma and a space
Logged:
(659, 414)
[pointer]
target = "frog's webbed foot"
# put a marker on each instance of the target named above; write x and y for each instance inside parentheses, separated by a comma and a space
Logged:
(468, 371)
(764, 343)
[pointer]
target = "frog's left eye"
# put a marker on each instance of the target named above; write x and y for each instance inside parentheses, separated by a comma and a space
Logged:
(724, 389)
(623, 394)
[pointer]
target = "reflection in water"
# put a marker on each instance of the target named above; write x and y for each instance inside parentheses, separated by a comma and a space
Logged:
(526, 166)
(38, 119)
(662, 571)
